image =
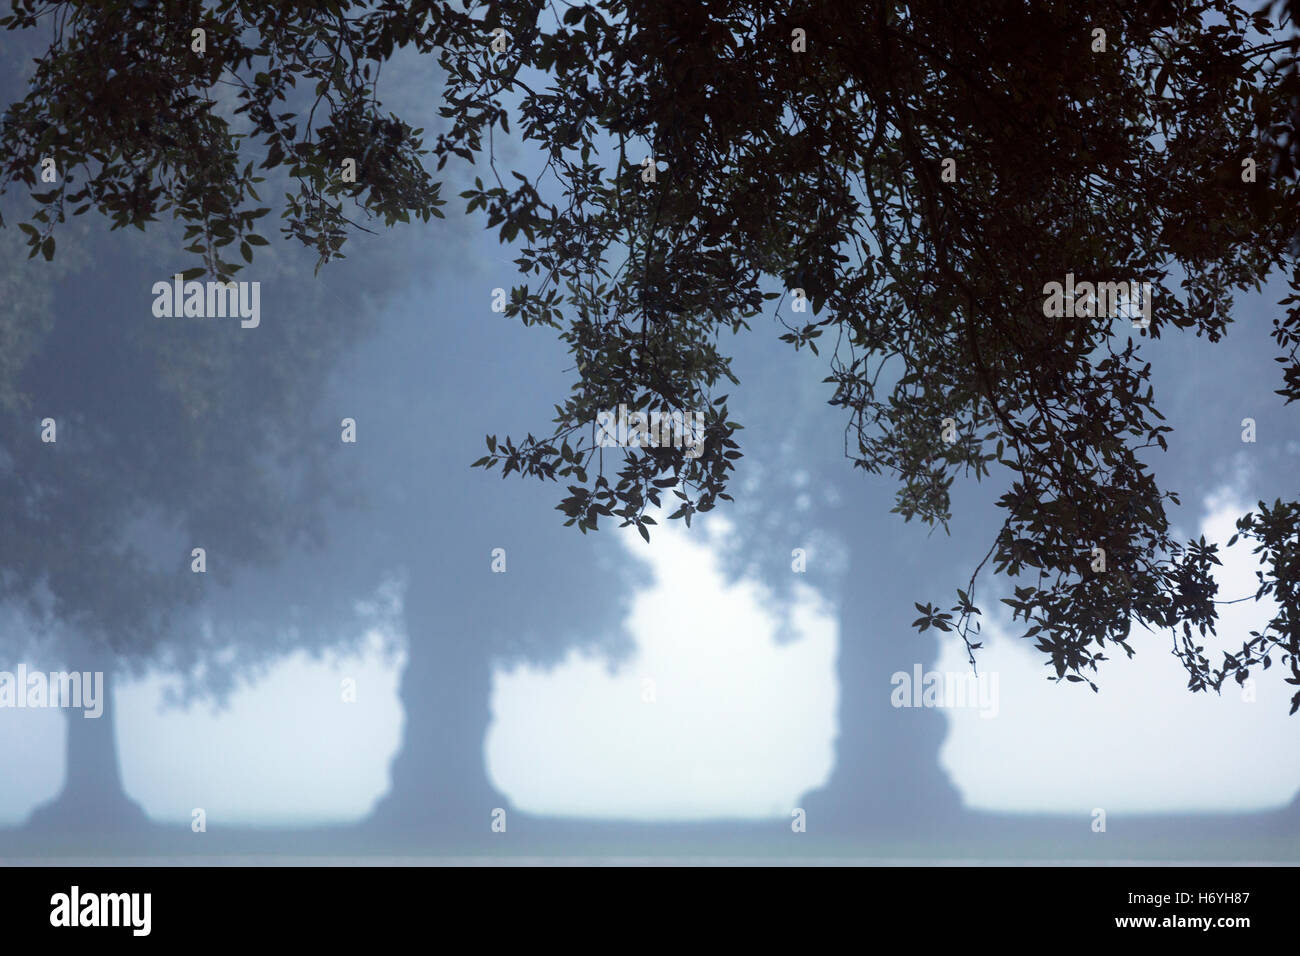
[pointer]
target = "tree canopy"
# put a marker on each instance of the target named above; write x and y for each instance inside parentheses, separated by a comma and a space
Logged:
(126, 440)
(904, 180)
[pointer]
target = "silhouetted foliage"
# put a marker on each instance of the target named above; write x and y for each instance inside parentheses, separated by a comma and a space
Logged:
(695, 154)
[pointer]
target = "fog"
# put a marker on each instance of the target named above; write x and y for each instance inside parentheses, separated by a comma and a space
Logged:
(431, 663)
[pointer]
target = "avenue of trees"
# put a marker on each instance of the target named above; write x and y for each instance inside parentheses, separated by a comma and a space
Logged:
(903, 180)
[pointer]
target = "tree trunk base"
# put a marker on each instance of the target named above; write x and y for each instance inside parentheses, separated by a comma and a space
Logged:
(467, 810)
(88, 813)
(863, 803)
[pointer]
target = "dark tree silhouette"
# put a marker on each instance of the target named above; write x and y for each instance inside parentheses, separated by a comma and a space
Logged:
(923, 181)
(403, 501)
(170, 435)
(871, 564)
(424, 391)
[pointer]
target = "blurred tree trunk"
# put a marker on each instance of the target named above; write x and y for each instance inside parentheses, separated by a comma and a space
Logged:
(886, 774)
(439, 776)
(92, 797)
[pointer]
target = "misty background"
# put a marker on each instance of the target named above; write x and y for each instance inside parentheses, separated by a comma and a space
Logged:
(698, 677)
